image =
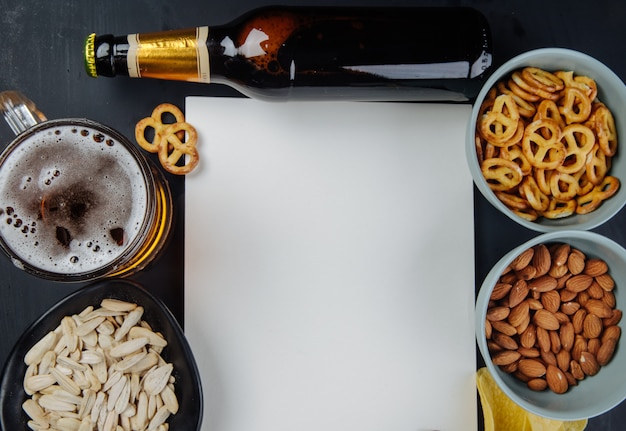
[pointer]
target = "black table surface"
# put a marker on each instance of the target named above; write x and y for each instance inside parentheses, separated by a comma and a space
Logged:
(41, 45)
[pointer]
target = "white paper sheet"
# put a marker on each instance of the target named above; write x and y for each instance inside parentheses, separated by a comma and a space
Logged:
(329, 266)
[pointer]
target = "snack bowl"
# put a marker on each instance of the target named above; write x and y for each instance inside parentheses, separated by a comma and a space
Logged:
(592, 395)
(611, 92)
(187, 384)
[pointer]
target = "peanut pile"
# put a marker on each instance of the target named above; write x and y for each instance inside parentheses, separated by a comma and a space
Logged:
(552, 318)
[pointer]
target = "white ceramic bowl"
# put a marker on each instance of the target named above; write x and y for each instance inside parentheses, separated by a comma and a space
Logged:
(592, 396)
(611, 91)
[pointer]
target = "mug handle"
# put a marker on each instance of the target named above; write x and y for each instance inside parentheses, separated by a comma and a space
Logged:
(19, 111)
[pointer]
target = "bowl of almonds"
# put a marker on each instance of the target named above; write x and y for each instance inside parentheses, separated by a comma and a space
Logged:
(543, 140)
(110, 356)
(548, 324)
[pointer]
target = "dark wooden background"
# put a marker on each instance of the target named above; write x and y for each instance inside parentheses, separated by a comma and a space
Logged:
(41, 46)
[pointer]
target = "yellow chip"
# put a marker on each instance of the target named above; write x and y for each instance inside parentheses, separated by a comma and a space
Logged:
(501, 413)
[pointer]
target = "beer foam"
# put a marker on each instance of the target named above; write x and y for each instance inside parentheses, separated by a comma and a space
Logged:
(72, 199)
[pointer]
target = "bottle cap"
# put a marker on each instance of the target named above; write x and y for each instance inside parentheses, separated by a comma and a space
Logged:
(90, 56)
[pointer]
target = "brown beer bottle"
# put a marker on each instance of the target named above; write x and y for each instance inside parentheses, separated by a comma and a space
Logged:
(340, 53)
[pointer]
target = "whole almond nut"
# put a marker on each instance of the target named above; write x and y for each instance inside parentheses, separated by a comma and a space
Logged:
(576, 371)
(521, 377)
(548, 358)
(498, 313)
(518, 293)
(541, 260)
(558, 271)
(522, 260)
(542, 284)
(527, 273)
(599, 308)
(567, 336)
(529, 352)
(546, 320)
(605, 352)
(570, 307)
(578, 283)
(560, 254)
(566, 295)
(531, 367)
(563, 359)
(503, 327)
(609, 299)
(556, 380)
(589, 364)
(525, 321)
(500, 290)
(576, 262)
(595, 291)
(578, 319)
(505, 341)
(519, 314)
(528, 338)
(614, 319)
(595, 267)
(582, 297)
(488, 329)
(551, 301)
(534, 304)
(593, 345)
(505, 357)
(543, 339)
(555, 342)
(611, 332)
(592, 326)
(580, 346)
(537, 384)
(509, 368)
(605, 281)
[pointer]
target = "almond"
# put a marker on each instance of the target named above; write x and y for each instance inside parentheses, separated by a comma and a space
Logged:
(558, 271)
(560, 254)
(577, 320)
(578, 283)
(551, 301)
(580, 346)
(498, 313)
(505, 341)
(595, 291)
(519, 314)
(606, 350)
(598, 308)
(563, 359)
(528, 338)
(566, 295)
(609, 299)
(556, 380)
(542, 284)
(593, 345)
(529, 352)
(611, 332)
(522, 260)
(543, 339)
(548, 358)
(534, 304)
(541, 260)
(518, 293)
(531, 367)
(614, 319)
(605, 281)
(546, 320)
(527, 273)
(500, 326)
(576, 262)
(570, 307)
(592, 326)
(589, 364)
(567, 336)
(576, 371)
(555, 342)
(596, 267)
(537, 384)
(500, 290)
(505, 357)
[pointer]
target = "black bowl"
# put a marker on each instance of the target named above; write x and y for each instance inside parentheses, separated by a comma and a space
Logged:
(188, 387)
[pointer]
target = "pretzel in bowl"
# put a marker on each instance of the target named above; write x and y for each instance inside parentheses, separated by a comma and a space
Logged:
(174, 142)
(545, 143)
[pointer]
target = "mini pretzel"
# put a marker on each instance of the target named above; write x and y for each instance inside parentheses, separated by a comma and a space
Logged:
(563, 187)
(501, 174)
(172, 149)
(575, 106)
(512, 201)
(595, 197)
(155, 122)
(525, 108)
(499, 124)
(558, 209)
(516, 154)
(543, 91)
(548, 109)
(578, 141)
(596, 165)
(542, 79)
(535, 197)
(605, 129)
(584, 83)
(543, 153)
(522, 93)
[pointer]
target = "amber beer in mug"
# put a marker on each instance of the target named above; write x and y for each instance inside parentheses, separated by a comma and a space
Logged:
(78, 201)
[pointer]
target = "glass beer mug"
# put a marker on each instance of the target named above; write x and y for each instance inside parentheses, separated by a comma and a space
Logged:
(78, 201)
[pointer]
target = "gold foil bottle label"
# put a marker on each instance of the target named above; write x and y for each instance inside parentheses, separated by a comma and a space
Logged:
(180, 55)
